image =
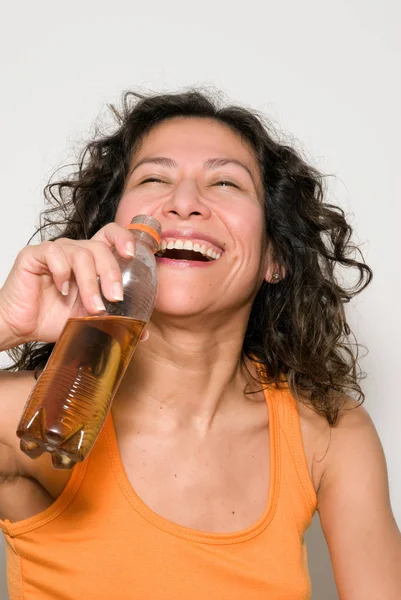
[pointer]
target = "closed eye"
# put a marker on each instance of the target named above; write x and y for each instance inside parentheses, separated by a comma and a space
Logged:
(225, 183)
(152, 180)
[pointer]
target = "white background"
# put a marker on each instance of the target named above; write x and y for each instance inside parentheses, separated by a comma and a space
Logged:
(328, 72)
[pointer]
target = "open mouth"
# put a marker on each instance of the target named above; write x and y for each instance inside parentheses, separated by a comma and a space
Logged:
(184, 255)
(194, 251)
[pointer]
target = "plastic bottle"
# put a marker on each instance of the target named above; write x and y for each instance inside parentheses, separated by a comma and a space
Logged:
(72, 398)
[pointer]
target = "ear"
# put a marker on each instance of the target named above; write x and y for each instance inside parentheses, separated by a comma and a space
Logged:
(274, 273)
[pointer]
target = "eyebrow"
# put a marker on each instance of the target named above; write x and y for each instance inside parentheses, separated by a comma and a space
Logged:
(211, 163)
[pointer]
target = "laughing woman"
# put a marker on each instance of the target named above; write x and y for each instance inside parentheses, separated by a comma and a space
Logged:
(238, 417)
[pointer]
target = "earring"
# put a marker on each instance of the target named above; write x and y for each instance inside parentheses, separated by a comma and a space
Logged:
(276, 277)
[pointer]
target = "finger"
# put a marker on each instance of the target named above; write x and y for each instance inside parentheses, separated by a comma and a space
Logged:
(106, 265)
(47, 257)
(59, 267)
(119, 237)
(84, 269)
(144, 335)
(109, 271)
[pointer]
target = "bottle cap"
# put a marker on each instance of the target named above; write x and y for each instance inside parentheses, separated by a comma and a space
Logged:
(147, 224)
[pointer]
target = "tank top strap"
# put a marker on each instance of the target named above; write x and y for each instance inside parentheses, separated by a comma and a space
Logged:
(292, 452)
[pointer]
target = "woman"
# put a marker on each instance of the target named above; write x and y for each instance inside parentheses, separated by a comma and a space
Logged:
(233, 423)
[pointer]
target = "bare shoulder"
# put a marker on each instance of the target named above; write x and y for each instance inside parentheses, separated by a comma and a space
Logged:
(355, 510)
(15, 388)
(26, 486)
(353, 431)
(14, 391)
(316, 435)
(324, 443)
(354, 444)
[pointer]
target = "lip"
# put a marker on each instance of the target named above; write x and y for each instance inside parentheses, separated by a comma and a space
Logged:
(191, 234)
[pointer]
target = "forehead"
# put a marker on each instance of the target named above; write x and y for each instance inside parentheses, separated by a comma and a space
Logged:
(196, 137)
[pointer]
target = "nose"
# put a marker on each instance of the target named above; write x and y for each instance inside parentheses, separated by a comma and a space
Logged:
(185, 202)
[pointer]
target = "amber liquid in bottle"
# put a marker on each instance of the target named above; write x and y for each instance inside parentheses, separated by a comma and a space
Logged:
(77, 387)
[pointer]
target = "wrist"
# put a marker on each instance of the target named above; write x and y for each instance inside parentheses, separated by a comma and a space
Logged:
(8, 339)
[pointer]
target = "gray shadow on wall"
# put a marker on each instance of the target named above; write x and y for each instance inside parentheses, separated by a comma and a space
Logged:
(321, 572)
(3, 581)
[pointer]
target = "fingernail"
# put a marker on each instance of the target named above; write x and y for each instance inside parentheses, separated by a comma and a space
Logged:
(97, 303)
(129, 249)
(118, 292)
(65, 288)
(144, 336)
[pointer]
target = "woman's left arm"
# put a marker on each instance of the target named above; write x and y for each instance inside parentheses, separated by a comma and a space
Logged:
(355, 512)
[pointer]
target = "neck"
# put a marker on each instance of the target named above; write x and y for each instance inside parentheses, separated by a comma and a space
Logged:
(195, 377)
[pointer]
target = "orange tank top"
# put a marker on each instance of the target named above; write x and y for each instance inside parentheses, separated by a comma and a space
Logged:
(99, 541)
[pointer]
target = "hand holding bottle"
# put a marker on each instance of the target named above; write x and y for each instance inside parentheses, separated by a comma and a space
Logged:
(70, 402)
(40, 292)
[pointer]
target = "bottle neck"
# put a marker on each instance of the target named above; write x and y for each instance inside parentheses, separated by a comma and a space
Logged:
(146, 238)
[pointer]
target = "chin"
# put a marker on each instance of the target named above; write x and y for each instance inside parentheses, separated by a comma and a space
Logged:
(178, 305)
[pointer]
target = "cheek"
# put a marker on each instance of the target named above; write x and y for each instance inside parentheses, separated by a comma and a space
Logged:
(247, 226)
(128, 208)
(250, 243)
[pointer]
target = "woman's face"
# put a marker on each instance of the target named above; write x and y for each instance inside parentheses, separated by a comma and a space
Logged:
(202, 182)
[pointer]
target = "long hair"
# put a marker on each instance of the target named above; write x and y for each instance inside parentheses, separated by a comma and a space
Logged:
(297, 328)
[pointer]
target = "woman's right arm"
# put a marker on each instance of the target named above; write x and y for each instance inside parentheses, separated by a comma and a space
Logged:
(40, 291)
(7, 338)
(34, 307)
(20, 489)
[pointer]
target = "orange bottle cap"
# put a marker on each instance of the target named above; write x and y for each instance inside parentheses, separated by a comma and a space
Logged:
(147, 229)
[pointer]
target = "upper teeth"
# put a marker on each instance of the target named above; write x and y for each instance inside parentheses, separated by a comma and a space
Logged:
(205, 249)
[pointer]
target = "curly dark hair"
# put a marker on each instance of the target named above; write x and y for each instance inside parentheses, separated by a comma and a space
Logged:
(297, 328)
